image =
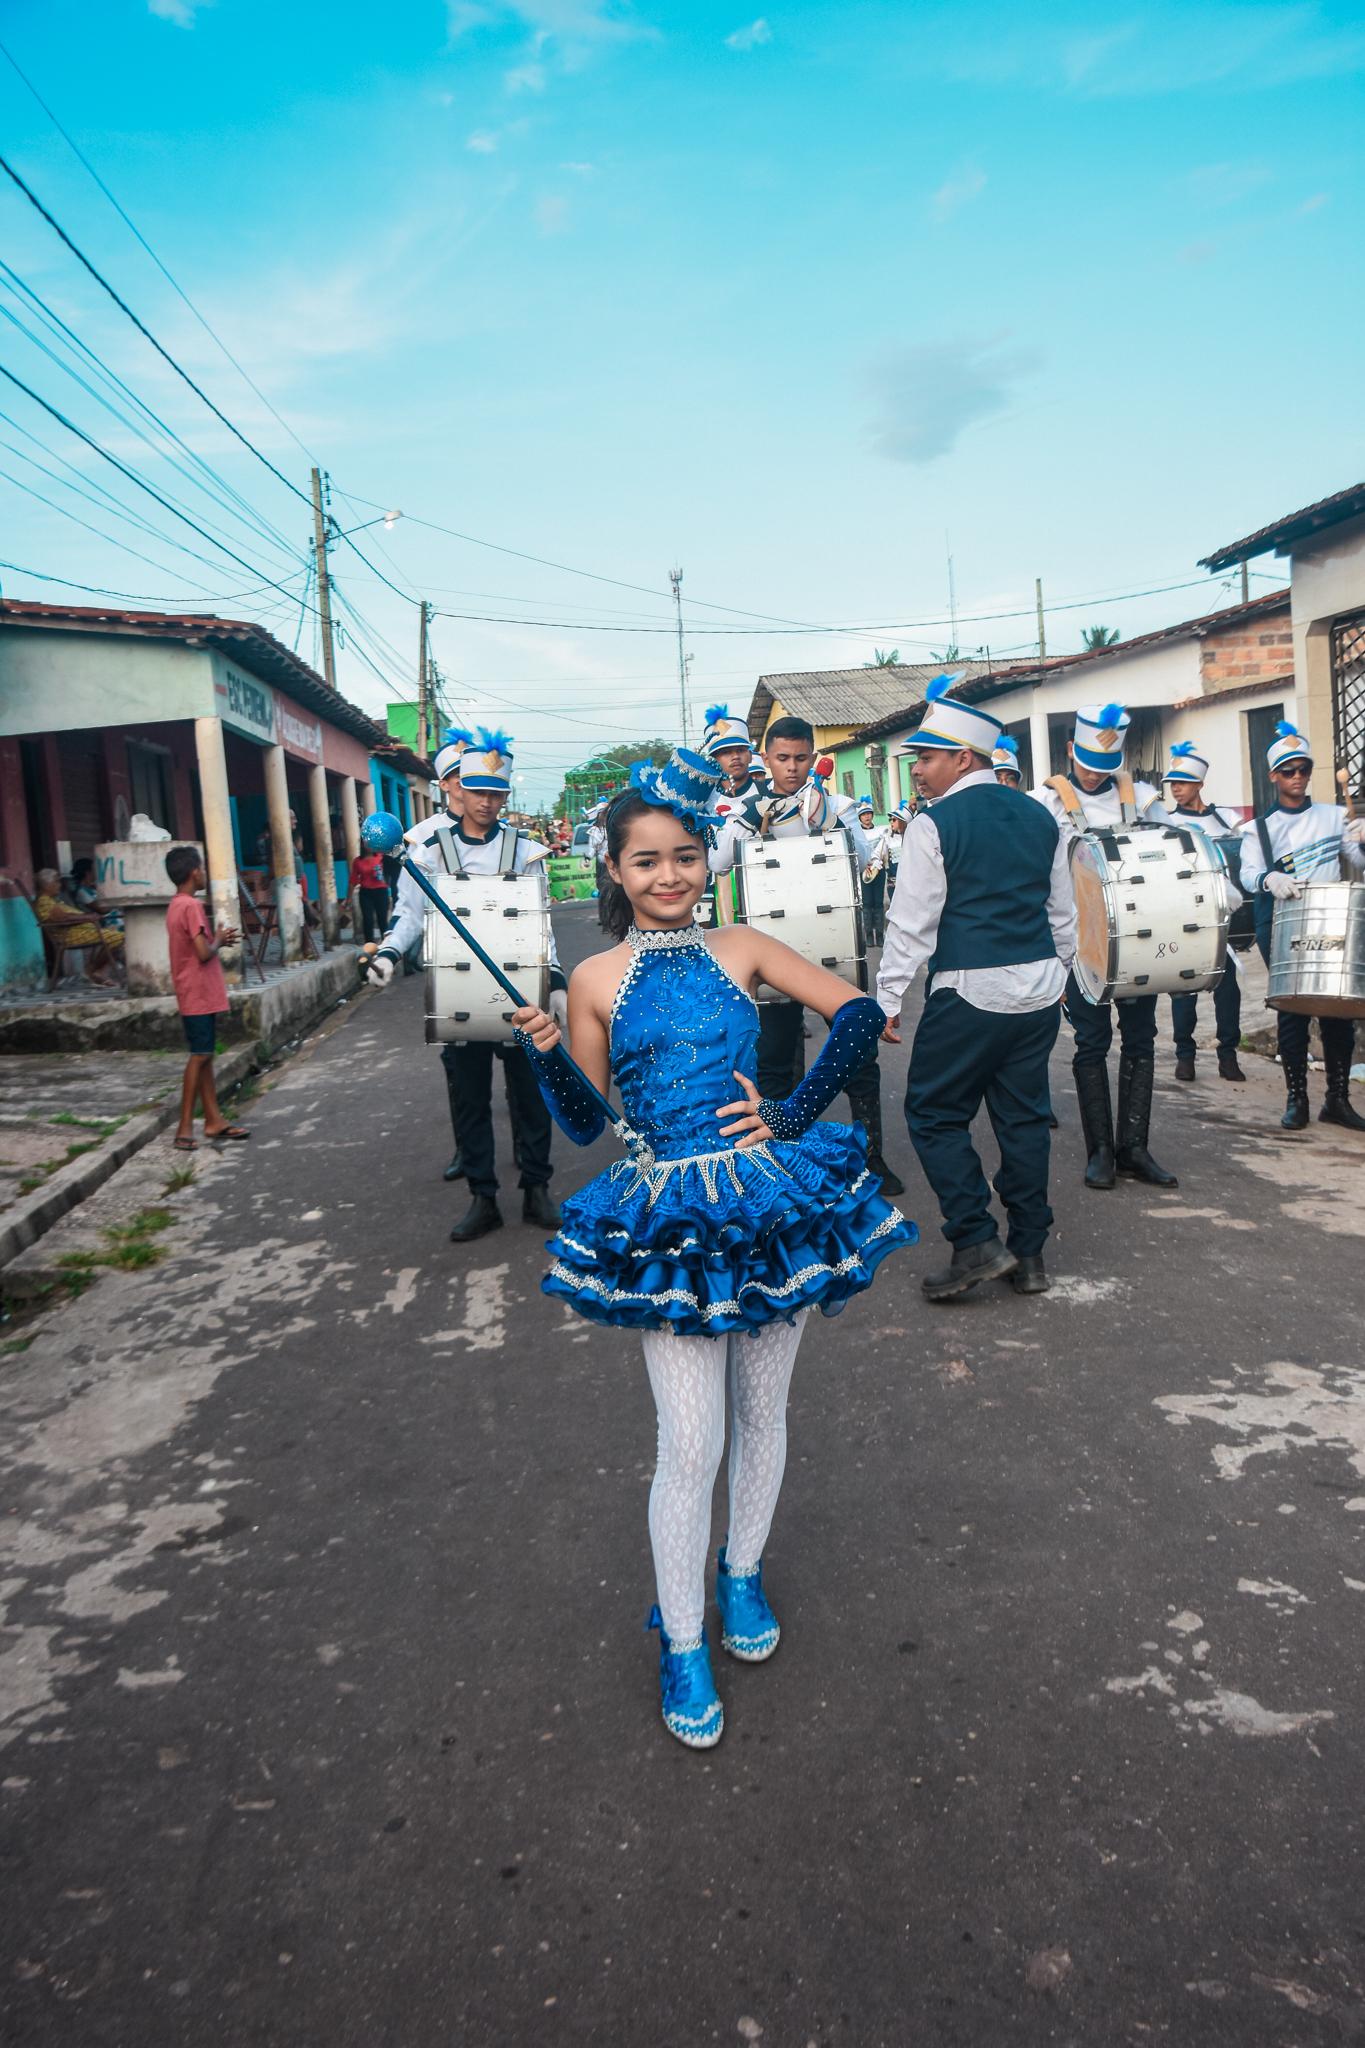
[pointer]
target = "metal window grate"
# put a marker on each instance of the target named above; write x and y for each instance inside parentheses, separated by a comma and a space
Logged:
(1348, 699)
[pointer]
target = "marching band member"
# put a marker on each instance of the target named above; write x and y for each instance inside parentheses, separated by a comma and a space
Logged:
(727, 743)
(474, 843)
(1185, 780)
(874, 874)
(1005, 761)
(1298, 841)
(1096, 791)
(741, 1218)
(985, 902)
(795, 805)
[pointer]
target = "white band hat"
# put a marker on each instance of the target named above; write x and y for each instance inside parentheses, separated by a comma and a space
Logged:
(1098, 736)
(949, 724)
(1288, 745)
(487, 764)
(1186, 764)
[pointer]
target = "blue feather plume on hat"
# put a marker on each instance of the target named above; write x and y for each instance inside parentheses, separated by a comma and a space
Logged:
(1110, 715)
(1181, 749)
(1008, 743)
(494, 742)
(940, 686)
(1285, 731)
(715, 713)
(457, 736)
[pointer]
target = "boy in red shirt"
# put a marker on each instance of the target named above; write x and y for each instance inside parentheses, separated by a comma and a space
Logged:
(200, 994)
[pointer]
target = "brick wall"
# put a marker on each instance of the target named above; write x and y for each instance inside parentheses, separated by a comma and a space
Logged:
(1258, 650)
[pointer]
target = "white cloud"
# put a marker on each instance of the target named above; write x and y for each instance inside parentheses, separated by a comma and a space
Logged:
(930, 393)
(483, 142)
(750, 38)
(552, 214)
(582, 20)
(525, 78)
(579, 170)
(1314, 203)
(957, 191)
(181, 12)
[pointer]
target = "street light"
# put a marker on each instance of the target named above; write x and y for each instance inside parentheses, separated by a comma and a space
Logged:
(388, 520)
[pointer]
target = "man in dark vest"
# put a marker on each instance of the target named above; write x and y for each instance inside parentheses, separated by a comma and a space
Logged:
(983, 898)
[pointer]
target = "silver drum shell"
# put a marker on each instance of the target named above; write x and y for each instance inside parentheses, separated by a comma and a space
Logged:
(1317, 952)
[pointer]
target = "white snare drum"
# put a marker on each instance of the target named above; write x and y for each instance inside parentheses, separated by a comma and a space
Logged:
(1317, 951)
(509, 915)
(1153, 904)
(807, 893)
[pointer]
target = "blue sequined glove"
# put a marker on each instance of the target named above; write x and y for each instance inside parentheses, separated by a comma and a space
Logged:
(852, 1034)
(577, 1113)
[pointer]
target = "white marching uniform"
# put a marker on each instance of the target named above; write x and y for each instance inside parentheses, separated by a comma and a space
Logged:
(1103, 806)
(1309, 843)
(438, 846)
(811, 810)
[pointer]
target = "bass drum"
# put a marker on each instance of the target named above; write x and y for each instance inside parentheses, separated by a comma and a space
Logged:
(808, 893)
(1153, 905)
(509, 915)
(1317, 951)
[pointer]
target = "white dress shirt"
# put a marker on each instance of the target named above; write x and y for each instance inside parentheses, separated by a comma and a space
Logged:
(913, 919)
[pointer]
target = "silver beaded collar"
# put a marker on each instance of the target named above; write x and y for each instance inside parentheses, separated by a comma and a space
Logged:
(661, 942)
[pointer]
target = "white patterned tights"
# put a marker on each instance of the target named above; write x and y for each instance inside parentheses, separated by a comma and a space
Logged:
(690, 1377)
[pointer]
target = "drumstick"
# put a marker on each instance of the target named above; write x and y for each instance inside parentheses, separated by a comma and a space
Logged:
(629, 1138)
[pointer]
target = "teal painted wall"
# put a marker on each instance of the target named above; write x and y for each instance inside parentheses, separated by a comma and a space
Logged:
(21, 946)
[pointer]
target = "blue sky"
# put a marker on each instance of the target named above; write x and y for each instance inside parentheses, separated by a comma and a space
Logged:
(798, 300)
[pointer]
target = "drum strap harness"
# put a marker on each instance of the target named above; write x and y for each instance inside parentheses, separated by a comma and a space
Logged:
(1067, 794)
(450, 851)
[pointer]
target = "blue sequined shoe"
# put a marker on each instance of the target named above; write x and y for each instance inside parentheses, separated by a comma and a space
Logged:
(691, 1706)
(748, 1626)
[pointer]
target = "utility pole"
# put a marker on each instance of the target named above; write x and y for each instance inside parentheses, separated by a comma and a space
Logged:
(423, 667)
(1042, 629)
(1246, 584)
(329, 664)
(675, 577)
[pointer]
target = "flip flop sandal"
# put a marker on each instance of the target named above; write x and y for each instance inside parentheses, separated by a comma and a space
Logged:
(187, 1144)
(234, 1132)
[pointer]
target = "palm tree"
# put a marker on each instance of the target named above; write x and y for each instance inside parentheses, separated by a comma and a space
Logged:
(882, 660)
(1095, 637)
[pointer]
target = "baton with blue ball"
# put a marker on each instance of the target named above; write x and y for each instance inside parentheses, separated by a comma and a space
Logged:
(382, 832)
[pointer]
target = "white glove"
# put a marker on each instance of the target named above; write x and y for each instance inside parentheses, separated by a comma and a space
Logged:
(381, 969)
(1354, 834)
(1282, 887)
(559, 1007)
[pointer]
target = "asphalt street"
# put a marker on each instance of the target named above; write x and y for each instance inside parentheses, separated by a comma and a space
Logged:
(326, 1711)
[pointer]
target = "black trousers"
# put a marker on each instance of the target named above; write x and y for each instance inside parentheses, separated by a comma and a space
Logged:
(374, 911)
(1227, 1016)
(874, 908)
(1093, 1024)
(961, 1058)
(470, 1067)
(782, 1055)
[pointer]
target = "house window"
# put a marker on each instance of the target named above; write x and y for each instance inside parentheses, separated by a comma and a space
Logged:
(150, 778)
(1348, 699)
(846, 782)
(1261, 725)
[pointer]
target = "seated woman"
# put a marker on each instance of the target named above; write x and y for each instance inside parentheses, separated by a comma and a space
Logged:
(77, 928)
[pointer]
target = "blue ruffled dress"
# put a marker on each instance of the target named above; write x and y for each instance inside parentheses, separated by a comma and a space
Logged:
(710, 1239)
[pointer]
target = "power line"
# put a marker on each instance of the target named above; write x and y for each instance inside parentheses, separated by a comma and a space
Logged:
(7, 167)
(138, 236)
(253, 568)
(228, 497)
(129, 596)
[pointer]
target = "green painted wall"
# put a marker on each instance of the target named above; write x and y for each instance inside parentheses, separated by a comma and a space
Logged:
(65, 682)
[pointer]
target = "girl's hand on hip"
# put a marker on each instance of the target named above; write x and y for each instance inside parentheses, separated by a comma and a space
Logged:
(750, 1123)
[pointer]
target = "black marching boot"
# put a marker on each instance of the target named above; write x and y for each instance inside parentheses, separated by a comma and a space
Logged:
(1229, 1068)
(1135, 1121)
(1184, 1070)
(537, 1207)
(1097, 1124)
(970, 1265)
(1295, 1116)
(1337, 1107)
(868, 1110)
(1030, 1275)
(482, 1215)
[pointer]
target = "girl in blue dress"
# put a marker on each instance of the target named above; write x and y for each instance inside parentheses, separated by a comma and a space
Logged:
(733, 1219)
